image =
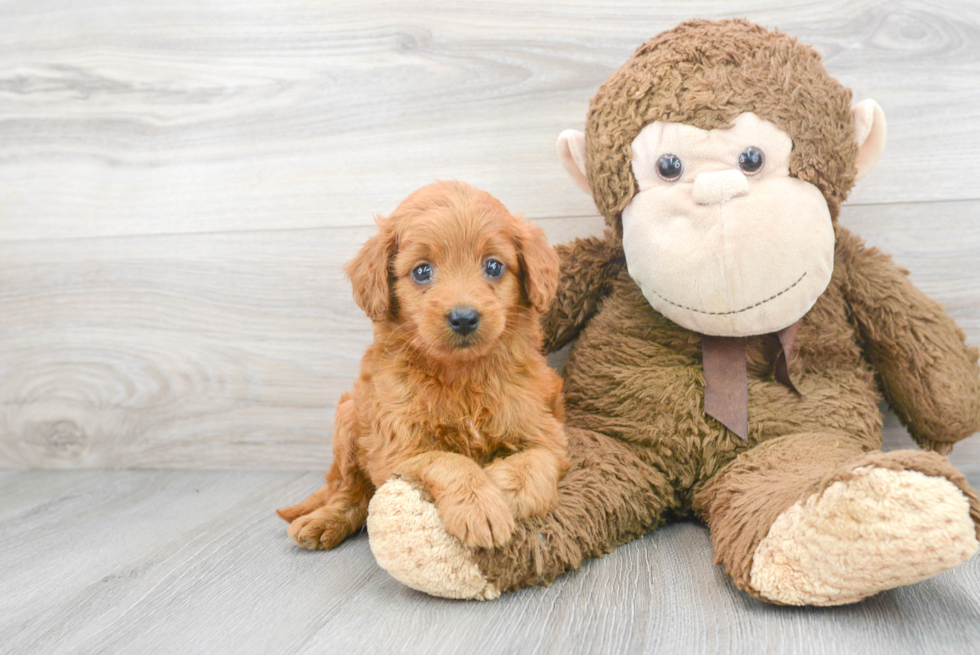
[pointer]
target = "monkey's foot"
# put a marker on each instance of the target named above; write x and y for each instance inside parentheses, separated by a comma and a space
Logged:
(875, 529)
(409, 542)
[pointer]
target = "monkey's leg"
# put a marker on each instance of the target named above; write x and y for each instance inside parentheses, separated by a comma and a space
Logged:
(814, 519)
(608, 496)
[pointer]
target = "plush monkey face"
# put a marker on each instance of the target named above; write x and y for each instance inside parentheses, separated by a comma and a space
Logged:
(722, 153)
(719, 237)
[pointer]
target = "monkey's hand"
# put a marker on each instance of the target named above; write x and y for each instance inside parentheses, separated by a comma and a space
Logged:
(928, 374)
(588, 267)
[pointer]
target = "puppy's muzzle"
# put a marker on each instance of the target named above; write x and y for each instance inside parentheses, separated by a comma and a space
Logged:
(463, 320)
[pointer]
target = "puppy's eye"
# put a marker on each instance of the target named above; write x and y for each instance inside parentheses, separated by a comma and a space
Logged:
(422, 273)
(670, 167)
(493, 269)
(751, 160)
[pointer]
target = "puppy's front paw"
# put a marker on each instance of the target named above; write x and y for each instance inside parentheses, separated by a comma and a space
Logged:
(318, 530)
(528, 491)
(479, 518)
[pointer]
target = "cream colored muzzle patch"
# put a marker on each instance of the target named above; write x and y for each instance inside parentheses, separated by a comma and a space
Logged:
(879, 530)
(719, 251)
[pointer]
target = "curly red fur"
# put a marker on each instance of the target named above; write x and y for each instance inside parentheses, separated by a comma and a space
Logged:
(476, 418)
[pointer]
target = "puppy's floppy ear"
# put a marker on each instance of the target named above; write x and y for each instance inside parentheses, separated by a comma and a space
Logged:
(370, 270)
(539, 266)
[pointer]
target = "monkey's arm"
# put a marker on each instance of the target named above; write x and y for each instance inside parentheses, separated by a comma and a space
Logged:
(588, 267)
(927, 373)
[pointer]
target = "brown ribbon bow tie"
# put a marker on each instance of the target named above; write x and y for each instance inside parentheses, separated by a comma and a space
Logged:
(726, 383)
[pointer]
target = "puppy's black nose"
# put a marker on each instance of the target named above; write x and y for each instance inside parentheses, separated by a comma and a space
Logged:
(463, 319)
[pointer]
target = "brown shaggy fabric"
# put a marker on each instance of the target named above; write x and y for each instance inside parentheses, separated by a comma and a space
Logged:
(926, 374)
(706, 73)
(641, 446)
(610, 496)
(588, 264)
(643, 451)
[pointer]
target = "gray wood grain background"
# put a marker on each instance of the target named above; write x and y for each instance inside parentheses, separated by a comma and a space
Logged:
(180, 183)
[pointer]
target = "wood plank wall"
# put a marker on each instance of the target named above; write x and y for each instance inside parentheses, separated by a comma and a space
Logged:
(181, 182)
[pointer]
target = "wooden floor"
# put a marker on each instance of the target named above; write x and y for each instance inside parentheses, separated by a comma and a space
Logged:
(197, 562)
(180, 184)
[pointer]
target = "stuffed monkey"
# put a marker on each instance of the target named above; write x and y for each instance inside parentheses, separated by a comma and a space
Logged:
(731, 342)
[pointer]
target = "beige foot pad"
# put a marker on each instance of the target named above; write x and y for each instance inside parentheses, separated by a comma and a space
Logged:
(877, 530)
(409, 542)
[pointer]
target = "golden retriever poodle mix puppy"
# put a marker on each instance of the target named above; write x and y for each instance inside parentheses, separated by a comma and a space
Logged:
(454, 391)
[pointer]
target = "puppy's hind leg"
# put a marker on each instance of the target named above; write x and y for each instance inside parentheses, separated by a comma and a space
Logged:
(344, 450)
(338, 509)
(343, 514)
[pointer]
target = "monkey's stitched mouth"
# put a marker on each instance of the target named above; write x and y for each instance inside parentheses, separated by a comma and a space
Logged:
(736, 311)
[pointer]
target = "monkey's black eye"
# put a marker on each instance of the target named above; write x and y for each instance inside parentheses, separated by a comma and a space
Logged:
(493, 269)
(751, 160)
(670, 167)
(422, 273)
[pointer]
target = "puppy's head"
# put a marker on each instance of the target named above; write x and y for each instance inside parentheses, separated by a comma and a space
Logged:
(454, 270)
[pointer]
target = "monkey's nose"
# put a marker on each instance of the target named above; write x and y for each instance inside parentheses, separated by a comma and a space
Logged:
(719, 186)
(463, 320)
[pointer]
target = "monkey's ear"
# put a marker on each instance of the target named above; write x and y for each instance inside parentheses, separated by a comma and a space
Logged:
(869, 131)
(572, 154)
(370, 269)
(539, 266)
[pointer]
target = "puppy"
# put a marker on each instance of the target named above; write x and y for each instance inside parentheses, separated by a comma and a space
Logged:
(454, 391)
